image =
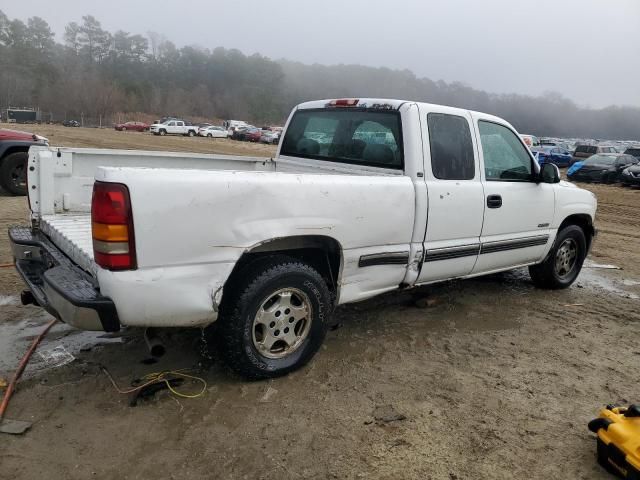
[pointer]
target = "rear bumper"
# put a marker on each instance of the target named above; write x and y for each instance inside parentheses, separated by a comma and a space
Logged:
(60, 286)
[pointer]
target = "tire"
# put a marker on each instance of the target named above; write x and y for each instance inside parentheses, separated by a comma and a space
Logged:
(124, 129)
(13, 171)
(191, 133)
(257, 349)
(560, 269)
(209, 135)
(162, 132)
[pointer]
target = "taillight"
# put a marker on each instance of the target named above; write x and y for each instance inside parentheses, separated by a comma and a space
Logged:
(344, 102)
(112, 227)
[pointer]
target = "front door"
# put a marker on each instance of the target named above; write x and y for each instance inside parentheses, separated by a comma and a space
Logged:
(518, 209)
(455, 195)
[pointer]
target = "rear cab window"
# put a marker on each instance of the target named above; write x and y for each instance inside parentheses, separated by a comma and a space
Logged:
(358, 136)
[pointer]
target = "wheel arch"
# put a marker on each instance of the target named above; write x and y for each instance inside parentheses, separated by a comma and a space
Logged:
(6, 150)
(323, 253)
(585, 222)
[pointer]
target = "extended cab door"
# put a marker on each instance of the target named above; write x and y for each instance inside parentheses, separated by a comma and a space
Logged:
(518, 209)
(455, 194)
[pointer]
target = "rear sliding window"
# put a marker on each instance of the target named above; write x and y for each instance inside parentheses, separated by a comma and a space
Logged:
(451, 147)
(364, 137)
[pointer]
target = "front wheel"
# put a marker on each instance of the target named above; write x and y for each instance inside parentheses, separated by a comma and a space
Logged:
(274, 319)
(564, 262)
(163, 133)
(13, 173)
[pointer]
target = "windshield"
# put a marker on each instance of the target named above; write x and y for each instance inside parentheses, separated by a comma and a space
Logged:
(358, 136)
(600, 160)
(633, 151)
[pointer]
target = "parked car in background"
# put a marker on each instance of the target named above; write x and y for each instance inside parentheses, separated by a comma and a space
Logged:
(556, 155)
(583, 152)
(233, 125)
(247, 134)
(174, 127)
(631, 176)
(270, 137)
(635, 151)
(253, 135)
(71, 123)
(603, 168)
(132, 126)
(14, 153)
(530, 140)
(213, 131)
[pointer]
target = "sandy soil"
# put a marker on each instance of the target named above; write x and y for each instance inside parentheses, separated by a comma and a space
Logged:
(494, 379)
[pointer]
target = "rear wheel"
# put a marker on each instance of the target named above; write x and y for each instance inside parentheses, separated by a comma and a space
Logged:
(13, 173)
(191, 133)
(274, 318)
(564, 262)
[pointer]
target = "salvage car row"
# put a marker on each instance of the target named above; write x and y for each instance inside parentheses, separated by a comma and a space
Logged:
(234, 129)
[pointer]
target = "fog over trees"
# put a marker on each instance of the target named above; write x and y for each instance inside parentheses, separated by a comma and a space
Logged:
(96, 74)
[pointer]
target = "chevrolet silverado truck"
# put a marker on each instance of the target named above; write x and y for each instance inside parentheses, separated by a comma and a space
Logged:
(364, 196)
(14, 146)
(174, 127)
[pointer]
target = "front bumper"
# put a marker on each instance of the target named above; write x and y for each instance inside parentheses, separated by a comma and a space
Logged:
(58, 285)
(630, 179)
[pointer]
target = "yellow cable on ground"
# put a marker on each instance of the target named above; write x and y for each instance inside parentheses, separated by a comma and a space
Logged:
(157, 377)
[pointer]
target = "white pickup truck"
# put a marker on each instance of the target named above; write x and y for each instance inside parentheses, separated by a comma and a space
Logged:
(363, 197)
(174, 127)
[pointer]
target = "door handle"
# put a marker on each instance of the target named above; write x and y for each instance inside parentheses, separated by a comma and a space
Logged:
(494, 201)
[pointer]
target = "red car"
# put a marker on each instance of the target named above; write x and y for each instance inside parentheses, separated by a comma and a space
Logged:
(134, 126)
(252, 135)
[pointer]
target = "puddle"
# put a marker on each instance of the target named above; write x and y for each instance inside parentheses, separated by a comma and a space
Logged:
(16, 336)
(599, 280)
(8, 300)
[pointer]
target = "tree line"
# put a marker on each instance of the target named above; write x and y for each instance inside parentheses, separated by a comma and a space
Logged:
(97, 74)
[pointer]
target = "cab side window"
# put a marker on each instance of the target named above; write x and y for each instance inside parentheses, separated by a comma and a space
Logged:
(451, 147)
(505, 157)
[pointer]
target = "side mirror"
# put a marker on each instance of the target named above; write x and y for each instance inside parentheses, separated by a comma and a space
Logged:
(550, 173)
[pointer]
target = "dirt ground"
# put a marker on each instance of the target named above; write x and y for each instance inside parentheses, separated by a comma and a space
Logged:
(493, 379)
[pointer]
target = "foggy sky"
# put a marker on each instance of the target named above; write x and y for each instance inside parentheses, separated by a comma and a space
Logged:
(587, 50)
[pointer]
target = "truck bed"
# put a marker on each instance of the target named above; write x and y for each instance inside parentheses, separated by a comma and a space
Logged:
(72, 234)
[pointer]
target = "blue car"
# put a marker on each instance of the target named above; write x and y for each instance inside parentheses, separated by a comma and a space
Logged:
(552, 154)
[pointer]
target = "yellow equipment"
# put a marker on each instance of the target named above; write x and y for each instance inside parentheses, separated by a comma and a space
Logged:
(618, 430)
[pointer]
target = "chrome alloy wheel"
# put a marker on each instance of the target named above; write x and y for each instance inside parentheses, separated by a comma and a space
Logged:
(282, 323)
(566, 258)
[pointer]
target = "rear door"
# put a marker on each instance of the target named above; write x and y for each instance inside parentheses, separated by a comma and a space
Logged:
(455, 194)
(519, 210)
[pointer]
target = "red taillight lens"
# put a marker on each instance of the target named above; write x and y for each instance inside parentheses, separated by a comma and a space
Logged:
(112, 227)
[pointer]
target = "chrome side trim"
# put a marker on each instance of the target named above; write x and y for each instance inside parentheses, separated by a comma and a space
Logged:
(385, 258)
(502, 245)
